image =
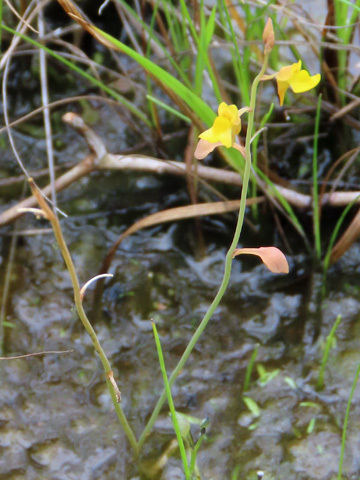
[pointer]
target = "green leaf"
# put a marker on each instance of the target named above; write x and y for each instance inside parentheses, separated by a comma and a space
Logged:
(290, 382)
(193, 101)
(252, 406)
(310, 427)
(210, 27)
(8, 324)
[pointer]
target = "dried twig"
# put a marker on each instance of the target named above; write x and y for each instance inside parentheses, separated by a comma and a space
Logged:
(36, 354)
(46, 111)
(102, 160)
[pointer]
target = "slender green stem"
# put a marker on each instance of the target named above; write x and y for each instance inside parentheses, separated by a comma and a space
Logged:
(171, 405)
(195, 451)
(228, 260)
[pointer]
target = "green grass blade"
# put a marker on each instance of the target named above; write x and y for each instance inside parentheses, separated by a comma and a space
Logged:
(84, 74)
(328, 344)
(354, 16)
(171, 404)
(168, 108)
(200, 58)
(250, 368)
(172, 23)
(206, 33)
(191, 99)
(346, 421)
(196, 104)
(187, 17)
(241, 67)
(151, 105)
(316, 206)
(210, 27)
(356, 6)
(344, 20)
(148, 29)
(1, 10)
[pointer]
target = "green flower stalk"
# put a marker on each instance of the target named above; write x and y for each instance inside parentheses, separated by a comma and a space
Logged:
(225, 127)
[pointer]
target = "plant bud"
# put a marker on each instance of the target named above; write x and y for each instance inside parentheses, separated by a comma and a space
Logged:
(268, 36)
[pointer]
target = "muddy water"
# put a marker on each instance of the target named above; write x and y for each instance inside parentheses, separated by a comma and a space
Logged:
(56, 417)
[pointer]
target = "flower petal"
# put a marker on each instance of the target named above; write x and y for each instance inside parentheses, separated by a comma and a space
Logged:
(223, 131)
(230, 112)
(285, 73)
(302, 82)
(222, 109)
(240, 148)
(220, 132)
(203, 148)
(272, 257)
(282, 87)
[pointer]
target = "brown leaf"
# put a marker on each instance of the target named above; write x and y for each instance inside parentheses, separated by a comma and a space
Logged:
(73, 12)
(351, 234)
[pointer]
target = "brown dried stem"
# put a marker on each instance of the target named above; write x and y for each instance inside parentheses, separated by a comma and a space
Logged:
(112, 387)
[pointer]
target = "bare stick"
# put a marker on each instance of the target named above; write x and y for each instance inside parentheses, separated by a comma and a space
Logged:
(36, 354)
(46, 111)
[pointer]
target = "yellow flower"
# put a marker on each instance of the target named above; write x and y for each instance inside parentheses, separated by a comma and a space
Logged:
(226, 125)
(292, 76)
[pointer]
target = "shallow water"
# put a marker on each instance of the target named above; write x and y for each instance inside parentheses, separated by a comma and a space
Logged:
(56, 417)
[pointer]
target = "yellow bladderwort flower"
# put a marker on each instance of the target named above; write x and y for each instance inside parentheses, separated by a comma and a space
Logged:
(292, 76)
(225, 127)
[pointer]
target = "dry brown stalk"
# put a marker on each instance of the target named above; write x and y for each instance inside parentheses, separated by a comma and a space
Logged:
(36, 354)
(102, 160)
(351, 234)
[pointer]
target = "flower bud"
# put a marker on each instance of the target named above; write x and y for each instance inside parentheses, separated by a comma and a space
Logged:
(268, 36)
